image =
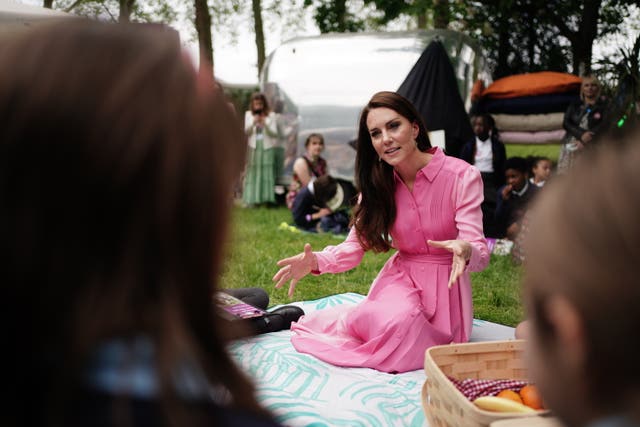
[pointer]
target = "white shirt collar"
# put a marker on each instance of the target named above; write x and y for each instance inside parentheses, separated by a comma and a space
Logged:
(524, 189)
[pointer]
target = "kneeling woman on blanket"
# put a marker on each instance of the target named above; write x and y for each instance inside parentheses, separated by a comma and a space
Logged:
(424, 204)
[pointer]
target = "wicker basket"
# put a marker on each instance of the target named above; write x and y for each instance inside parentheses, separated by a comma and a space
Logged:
(444, 405)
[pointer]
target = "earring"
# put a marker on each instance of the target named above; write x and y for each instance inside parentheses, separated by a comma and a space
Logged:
(379, 159)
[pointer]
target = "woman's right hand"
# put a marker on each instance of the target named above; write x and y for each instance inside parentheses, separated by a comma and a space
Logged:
(586, 137)
(295, 268)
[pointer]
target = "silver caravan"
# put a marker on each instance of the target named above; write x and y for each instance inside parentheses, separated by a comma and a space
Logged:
(319, 84)
(16, 17)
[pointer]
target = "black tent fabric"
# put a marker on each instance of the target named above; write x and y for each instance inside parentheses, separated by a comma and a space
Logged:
(432, 87)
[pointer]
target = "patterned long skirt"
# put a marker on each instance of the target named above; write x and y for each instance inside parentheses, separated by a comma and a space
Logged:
(260, 179)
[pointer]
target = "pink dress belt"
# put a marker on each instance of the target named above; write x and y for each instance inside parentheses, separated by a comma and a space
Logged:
(443, 259)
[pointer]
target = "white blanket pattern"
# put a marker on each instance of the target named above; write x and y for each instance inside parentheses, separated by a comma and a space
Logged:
(304, 391)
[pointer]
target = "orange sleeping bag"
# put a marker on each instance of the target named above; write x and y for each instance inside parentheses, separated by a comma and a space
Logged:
(531, 84)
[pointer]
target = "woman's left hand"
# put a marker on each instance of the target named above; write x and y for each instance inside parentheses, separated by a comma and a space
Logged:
(461, 250)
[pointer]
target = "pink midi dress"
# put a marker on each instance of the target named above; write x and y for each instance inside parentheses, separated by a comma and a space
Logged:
(409, 307)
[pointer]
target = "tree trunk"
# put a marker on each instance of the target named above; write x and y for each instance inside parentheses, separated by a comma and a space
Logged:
(440, 13)
(205, 43)
(257, 19)
(502, 66)
(341, 15)
(532, 37)
(48, 4)
(422, 21)
(126, 7)
(587, 32)
(582, 39)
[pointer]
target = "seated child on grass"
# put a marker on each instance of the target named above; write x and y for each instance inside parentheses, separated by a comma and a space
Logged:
(514, 197)
(323, 205)
(541, 168)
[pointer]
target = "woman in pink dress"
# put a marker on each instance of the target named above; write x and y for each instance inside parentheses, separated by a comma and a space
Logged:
(424, 204)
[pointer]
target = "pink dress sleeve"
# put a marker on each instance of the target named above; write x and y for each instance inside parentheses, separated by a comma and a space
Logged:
(470, 194)
(342, 257)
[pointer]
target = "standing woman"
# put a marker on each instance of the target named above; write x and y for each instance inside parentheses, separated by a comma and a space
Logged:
(583, 120)
(424, 204)
(307, 167)
(261, 127)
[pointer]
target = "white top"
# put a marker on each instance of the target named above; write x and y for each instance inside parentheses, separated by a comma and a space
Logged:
(537, 184)
(269, 133)
(484, 155)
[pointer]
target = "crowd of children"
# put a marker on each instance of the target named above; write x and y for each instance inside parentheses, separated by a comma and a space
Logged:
(518, 180)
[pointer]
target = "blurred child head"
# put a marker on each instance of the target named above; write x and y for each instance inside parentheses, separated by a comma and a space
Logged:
(541, 169)
(482, 125)
(582, 288)
(324, 189)
(516, 172)
(314, 144)
(116, 163)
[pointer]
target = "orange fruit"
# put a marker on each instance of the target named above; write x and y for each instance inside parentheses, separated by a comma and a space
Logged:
(511, 395)
(531, 396)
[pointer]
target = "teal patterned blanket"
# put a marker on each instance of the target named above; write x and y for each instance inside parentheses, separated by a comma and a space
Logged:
(304, 391)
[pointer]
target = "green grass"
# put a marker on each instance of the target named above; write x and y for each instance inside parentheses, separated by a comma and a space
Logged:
(552, 151)
(257, 243)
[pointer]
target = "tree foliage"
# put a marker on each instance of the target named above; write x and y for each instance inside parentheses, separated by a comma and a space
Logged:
(392, 9)
(514, 36)
(621, 74)
(119, 10)
(582, 22)
(518, 35)
(335, 16)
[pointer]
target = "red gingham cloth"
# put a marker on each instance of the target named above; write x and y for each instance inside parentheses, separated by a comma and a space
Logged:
(473, 389)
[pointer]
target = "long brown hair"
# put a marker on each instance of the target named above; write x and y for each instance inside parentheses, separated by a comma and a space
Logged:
(116, 165)
(374, 216)
(262, 97)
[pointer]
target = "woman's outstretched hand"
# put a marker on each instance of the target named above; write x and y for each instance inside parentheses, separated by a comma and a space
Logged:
(295, 268)
(461, 250)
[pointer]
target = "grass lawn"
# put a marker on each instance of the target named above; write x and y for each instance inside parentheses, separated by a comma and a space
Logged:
(257, 243)
(552, 151)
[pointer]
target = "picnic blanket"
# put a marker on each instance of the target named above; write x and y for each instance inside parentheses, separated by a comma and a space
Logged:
(304, 391)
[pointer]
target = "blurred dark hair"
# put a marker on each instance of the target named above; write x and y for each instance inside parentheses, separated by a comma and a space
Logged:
(487, 119)
(324, 188)
(116, 164)
(489, 123)
(376, 212)
(517, 163)
(533, 161)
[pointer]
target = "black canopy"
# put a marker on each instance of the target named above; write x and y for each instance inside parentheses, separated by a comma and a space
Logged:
(432, 87)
